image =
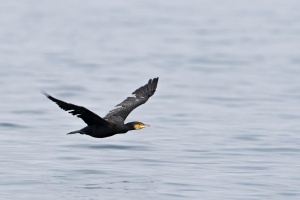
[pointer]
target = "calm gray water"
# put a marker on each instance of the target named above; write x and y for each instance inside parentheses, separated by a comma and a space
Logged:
(224, 120)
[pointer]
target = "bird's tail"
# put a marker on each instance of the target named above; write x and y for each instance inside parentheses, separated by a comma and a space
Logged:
(74, 132)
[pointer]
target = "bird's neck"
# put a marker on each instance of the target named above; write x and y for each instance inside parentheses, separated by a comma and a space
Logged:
(130, 126)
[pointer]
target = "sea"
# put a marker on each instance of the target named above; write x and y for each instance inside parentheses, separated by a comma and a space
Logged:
(225, 118)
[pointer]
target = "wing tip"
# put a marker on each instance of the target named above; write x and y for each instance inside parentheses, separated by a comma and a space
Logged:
(152, 84)
(45, 93)
(155, 81)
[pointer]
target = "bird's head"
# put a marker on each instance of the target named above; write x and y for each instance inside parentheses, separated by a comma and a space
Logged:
(136, 125)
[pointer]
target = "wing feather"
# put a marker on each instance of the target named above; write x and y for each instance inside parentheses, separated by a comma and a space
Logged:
(86, 115)
(141, 96)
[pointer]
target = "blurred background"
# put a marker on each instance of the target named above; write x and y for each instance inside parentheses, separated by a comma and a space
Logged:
(224, 120)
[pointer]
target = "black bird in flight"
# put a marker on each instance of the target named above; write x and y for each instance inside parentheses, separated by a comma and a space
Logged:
(113, 122)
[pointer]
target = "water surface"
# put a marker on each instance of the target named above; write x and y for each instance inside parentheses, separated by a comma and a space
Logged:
(224, 120)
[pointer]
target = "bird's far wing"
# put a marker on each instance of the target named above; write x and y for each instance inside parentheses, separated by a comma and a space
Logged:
(86, 115)
(141, 95)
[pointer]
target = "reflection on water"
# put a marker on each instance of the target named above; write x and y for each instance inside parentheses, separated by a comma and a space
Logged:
(109, 146)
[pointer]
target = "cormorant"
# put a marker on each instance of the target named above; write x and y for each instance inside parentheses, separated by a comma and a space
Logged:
(113, 122)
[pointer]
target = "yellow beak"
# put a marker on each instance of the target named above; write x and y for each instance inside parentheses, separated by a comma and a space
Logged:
(145, 126)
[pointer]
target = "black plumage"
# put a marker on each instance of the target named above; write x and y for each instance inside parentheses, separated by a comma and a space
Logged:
(113, 122)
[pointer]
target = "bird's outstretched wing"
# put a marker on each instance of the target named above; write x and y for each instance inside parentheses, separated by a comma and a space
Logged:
(86, 115)
(141, 95)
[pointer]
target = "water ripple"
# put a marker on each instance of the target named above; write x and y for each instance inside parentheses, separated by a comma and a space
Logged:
(11, 125)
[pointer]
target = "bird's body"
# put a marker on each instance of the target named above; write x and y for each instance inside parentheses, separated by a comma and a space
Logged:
(113, 122)
(99, 131)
